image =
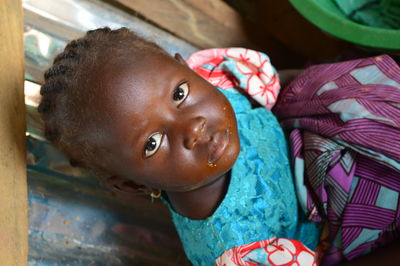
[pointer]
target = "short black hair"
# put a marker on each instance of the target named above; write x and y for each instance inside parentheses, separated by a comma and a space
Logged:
(65, 106)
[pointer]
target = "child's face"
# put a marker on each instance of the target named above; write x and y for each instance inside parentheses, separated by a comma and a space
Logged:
(171, 129)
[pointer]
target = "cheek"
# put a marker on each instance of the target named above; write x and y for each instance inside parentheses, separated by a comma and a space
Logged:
(183, 172)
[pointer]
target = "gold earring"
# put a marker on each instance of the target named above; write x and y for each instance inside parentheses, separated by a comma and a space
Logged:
(155, 195)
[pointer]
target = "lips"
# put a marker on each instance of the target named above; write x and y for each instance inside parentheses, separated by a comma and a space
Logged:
(219, 142)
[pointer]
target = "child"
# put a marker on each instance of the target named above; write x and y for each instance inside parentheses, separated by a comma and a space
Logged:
(120, 105)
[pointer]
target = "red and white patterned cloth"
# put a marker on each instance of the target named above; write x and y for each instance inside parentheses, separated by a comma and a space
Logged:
(239, 68)
(275, 251)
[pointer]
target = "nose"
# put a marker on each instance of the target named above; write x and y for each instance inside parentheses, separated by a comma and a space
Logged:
(194, 132)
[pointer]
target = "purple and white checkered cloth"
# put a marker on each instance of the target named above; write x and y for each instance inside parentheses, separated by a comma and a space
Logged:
(343, 120)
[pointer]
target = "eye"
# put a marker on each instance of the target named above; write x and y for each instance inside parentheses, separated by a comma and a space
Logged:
(180, 93)
(152, 144)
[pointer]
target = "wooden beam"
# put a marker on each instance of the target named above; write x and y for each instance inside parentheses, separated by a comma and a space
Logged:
(212, 24)
(205, 23)
(13, 186)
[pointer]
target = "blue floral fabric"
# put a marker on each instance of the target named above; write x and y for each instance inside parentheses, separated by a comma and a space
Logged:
(260, 202)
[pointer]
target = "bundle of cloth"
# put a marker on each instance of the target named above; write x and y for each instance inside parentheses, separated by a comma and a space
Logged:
(342, 121)
(373, 13)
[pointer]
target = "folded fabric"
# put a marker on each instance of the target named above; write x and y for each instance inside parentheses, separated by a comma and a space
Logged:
(229, 68)
(275, 251)
(344, 126)
(375, 13)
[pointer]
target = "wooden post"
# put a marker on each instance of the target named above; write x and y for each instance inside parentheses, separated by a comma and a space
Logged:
(13, 185)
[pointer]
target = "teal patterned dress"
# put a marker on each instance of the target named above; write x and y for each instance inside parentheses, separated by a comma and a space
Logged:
(260, 202)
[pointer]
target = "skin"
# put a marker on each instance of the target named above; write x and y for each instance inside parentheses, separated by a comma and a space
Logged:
(199, 141)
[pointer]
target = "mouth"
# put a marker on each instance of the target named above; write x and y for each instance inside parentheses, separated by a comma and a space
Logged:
(219, 142)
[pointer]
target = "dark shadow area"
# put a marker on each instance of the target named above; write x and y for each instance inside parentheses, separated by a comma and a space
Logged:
(274, 23)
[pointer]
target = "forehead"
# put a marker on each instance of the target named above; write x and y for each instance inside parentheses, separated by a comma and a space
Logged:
(129, 80)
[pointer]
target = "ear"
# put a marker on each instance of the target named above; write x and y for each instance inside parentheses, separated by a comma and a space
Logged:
(127, 187)
(180, 59)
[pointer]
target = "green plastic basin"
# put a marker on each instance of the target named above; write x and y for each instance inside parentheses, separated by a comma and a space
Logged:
(328, 17)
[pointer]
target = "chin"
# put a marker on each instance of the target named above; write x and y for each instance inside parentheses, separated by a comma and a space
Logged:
(204, 183)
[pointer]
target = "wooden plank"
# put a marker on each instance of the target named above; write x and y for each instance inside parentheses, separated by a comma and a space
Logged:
(13, 188)
(211, 24)
(206, 23)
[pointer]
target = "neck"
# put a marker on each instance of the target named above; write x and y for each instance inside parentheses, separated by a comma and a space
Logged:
(202, 202)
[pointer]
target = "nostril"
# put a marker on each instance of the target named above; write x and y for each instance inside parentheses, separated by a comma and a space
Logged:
(194, 141)
(190, 142)
(203, 126)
